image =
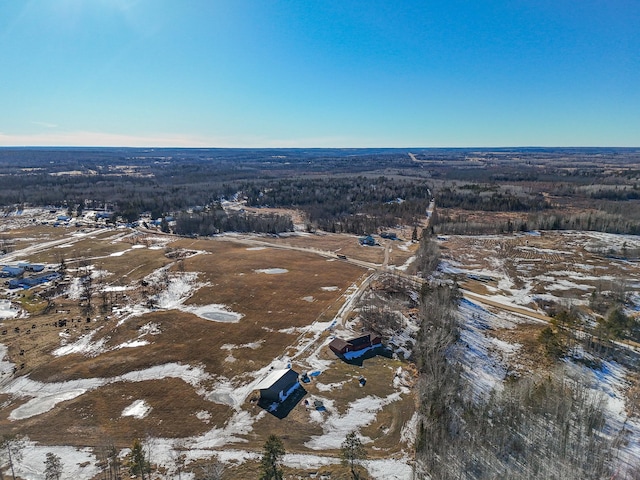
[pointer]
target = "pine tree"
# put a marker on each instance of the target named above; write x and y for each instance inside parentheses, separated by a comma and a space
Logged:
(52, 467)
(273, 453)
(352, 453)
(138, 463)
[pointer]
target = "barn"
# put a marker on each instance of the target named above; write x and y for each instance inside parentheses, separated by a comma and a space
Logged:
(278, 385)
(341, 347)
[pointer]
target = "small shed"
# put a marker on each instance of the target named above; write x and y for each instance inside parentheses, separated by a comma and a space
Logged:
(33, 267)
(278, 385)
(368, 240)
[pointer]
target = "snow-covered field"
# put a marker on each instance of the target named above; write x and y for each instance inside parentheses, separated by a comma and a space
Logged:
(486, 361)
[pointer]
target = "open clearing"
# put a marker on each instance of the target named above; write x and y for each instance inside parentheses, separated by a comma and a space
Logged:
(178, 333)
(181, 330)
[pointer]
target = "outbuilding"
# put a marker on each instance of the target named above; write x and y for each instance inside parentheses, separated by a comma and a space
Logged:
(33, 267)
(27, 283)
(341, 347)
(278, 385)
(8, 271)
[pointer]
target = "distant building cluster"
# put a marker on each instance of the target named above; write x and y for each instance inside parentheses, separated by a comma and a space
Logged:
(21, 275)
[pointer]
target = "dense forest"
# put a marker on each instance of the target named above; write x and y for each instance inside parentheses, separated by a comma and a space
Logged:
(339, 190)
(534, 427)
(217, 220)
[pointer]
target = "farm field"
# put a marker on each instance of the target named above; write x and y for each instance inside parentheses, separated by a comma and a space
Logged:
(178, 333)
(181, 330)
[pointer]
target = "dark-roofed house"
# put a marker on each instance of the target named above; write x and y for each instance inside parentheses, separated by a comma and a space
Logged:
(278, 385)
(340, 346)
(33, 267)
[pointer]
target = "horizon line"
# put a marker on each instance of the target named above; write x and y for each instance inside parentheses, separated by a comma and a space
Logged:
(182, 147)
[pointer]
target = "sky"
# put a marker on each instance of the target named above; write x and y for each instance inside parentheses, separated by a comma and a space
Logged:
(320, 73)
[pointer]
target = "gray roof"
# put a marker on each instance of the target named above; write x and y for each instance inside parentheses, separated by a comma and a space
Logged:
(271, 378)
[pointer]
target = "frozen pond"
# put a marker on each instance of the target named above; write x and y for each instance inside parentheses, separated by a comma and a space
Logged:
(214, 312)
(272, 271)
(220, 316)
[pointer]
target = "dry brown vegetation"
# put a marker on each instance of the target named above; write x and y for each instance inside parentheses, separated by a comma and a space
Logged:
(228, 275)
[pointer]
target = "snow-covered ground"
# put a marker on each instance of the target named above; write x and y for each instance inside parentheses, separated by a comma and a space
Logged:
(361, 413)
(486, 361)
(45, 396)
(7, 311)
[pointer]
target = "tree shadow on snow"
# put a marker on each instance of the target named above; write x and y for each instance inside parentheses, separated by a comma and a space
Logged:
(282, 409)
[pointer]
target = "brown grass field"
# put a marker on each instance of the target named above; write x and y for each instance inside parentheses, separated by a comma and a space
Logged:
(228, 274)
(528, 270)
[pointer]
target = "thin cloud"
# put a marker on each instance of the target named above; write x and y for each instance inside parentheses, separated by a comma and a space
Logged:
(45, 124)
(102, 139)
(98, 139)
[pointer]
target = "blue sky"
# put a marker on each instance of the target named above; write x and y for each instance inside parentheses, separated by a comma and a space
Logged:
(320, 73)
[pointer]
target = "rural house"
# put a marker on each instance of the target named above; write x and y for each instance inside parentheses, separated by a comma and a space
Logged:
(27, 283)
(342, 347)
(8, 271)
(278, 385)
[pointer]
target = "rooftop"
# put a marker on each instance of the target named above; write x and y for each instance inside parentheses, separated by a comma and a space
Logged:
(272, 378)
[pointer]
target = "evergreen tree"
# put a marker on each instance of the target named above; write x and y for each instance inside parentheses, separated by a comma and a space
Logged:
(352, 453)
(138, 463)
(273, 453)
(52, 467)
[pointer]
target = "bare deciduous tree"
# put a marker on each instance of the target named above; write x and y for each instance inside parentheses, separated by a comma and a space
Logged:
(211, 471)
(11, 447)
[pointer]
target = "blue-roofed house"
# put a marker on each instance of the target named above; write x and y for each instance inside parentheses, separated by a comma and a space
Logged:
(8, 271)
(27, 283)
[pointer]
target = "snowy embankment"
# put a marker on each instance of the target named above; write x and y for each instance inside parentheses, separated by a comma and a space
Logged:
(486, 360)
(483, 367)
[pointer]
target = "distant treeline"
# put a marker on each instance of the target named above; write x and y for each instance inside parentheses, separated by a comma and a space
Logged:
(478, 197)
(340, 190)
(352, 204)
(599, 221)
(217, 221)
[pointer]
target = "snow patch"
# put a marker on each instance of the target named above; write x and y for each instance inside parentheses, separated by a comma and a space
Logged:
(203, 416)
(83, 345)
(272, 271)
(362, 412)
(214, 312)
(133, 344)
(138, 409)
(252, 345)
(6, 311)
